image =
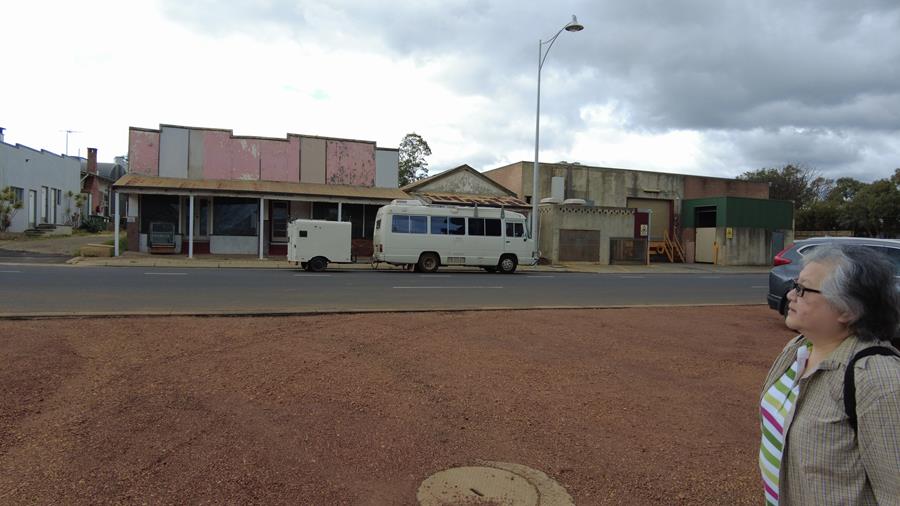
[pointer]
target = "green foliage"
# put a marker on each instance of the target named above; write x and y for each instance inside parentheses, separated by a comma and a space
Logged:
(93, 224)
(869, 209)
(9, 206)
(413, 166)
(803, 185)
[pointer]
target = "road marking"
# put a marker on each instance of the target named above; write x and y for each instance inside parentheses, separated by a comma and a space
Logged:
(446, 287)
(710, 277)
(435, 276)
(759, 286)
(12, 272)
(165, 274)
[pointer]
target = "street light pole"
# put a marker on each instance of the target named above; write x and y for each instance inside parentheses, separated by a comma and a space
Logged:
(571, 26)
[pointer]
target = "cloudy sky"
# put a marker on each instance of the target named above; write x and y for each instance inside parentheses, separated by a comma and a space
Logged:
(699, 87)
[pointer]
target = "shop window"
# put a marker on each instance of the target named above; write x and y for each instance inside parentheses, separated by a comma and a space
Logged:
(325, 211)
(158, 208)
(235, 216)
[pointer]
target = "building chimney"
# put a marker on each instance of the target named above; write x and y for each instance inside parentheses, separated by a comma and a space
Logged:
(92, 161)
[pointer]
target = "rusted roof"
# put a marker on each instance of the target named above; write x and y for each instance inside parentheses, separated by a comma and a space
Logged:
(423, 183)
(481, 200)
(142, 182)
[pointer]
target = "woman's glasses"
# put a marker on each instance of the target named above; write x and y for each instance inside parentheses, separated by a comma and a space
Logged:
(800, 289)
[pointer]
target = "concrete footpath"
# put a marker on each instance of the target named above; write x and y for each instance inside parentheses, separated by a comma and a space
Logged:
(132, 259)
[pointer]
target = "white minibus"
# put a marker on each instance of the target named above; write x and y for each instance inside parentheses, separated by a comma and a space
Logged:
(410, 232)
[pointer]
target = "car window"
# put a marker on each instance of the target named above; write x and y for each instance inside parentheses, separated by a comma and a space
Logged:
(894, 255)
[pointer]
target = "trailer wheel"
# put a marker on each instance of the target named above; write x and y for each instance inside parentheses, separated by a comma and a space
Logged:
(317, 264)
(428, 262)
(507, 264)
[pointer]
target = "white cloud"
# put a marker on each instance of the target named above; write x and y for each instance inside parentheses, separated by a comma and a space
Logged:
(683, 87)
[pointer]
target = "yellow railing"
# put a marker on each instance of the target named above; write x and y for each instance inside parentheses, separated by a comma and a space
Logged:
(672, 248)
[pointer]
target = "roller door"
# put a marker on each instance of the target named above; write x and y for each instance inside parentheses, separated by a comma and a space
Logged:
(579, 245)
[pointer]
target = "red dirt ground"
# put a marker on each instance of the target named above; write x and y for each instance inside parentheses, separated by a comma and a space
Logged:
(620, 406)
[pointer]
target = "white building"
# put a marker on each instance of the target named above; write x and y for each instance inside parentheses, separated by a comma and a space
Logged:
(45, 182)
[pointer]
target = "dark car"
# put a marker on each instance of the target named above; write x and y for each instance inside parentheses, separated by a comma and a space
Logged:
(789, 262)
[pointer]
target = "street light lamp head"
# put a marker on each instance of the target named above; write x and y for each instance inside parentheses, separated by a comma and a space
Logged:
(574, 25)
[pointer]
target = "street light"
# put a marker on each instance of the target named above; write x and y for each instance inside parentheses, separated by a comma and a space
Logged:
(571, 26)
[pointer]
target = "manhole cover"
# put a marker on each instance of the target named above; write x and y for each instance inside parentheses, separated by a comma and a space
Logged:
(494, 484)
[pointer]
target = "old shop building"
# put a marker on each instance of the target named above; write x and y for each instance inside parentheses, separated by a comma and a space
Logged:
(203, 190)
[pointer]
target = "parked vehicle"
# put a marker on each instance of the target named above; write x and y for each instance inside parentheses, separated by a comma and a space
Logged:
(788, 263)
(313, 244)
(410, 232)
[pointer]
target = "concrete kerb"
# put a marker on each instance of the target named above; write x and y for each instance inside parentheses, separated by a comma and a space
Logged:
(64, 315)
(211, 261)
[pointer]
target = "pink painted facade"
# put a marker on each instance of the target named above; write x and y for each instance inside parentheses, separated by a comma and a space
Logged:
(143, 152)
(351, 163)
(227, 157)
(218, 154)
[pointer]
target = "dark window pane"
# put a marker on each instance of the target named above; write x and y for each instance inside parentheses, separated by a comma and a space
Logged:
(515, 230)
(158, 208)
(439, 225)
(354, 213)
(492, 227)
(371, 212)
(476, 226)
(235, 216)
(325, 211)
(457, 226)
(400, 224)
(418, 224)
(279, 220)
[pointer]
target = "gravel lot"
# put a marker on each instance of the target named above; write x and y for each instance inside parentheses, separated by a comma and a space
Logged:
(620, 406)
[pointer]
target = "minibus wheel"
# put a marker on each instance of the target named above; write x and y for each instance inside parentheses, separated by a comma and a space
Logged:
(507, 264)
(428, 262)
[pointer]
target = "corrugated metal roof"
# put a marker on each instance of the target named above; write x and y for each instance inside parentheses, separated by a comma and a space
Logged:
(138, 181)
(481, 200)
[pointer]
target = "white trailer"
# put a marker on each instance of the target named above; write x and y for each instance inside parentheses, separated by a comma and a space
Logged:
(313, 244)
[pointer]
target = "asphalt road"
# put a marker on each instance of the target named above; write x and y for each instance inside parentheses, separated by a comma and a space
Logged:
(31, 289)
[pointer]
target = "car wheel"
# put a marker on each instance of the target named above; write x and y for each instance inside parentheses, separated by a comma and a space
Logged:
(507, 264)
(428, 262)
(317, 264)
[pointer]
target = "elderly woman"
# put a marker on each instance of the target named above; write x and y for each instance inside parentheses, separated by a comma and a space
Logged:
(817, 447)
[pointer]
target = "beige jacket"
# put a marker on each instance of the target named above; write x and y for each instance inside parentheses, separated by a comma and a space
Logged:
(823, 462)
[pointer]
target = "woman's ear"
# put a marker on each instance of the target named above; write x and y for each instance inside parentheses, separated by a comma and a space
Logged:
(847, 318)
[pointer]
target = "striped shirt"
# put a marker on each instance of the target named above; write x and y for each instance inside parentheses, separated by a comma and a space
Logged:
(774, 409)
(824, 462)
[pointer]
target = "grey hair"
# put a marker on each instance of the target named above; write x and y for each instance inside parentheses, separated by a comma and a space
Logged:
(861, 285)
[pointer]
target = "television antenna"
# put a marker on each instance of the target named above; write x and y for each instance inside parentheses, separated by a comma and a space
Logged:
(67, 138)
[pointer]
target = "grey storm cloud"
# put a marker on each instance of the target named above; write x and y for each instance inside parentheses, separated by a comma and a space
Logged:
(749, 75)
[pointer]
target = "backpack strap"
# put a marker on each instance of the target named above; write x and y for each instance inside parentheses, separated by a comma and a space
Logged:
(850, 380)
